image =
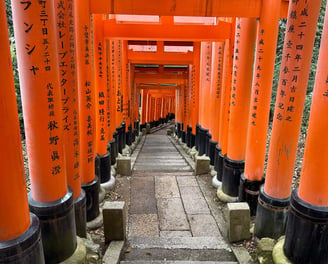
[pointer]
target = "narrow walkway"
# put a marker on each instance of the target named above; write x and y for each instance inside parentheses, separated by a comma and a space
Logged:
(169, 218)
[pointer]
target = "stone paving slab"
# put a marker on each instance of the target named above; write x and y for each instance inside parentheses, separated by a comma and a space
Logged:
(166, 187)
(178, 242)
(161, 163)
(142, 196)
(175, 234)
(144, 225)
(160, 168)
(162, 174)
(184, 181)
(203, 225)
(194, 201)
(172, 215)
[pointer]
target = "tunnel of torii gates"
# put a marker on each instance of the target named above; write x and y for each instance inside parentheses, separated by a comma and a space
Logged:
(92, 78)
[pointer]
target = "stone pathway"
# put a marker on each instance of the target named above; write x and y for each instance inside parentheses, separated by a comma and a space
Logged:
(169, 218)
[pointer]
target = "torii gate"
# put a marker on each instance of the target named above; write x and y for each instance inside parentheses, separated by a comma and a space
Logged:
(106, 97)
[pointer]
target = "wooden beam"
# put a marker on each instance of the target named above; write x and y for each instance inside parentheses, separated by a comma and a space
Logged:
(168, 32)
(216, 8)
(157, 86)
(176, 58)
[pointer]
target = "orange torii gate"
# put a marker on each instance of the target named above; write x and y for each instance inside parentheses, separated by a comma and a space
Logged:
(122, 85)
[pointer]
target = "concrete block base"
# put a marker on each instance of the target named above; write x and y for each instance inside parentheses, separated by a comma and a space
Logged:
(169, 132)
(114, 220)
(202, 165)
(144, 131)
(123, 166)
(238, 221)
(109, 185)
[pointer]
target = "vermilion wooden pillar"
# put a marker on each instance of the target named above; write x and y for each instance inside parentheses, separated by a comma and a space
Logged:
(17, 225)
(296, 60)
(306, 229)
(103, 164)
(118, 81)
(204, 95)
(239, 104)
(70, 108)
(307, 221)
(111, 95)
(50, 199)
(119, 94)
(215, 98)
(195, 82)
(143, 106)
(260, 104)
(87, 106)
(221, 150)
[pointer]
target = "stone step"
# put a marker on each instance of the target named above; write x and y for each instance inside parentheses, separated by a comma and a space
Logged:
(180, 173)
(178, 256)
(178, 242)
(176, 262)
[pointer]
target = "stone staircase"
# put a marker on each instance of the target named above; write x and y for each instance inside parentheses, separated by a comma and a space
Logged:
(169, 218)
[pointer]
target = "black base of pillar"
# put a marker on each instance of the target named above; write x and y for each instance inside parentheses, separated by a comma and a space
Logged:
(80, 215)
(306, 238)
(57, 224)
(188, 136)
(197, 137)
(27, 248)
(232, 169)
(219, 171)
(271, 216)
(92, 198)
(216, 158)
(249, 192)
(192, 140)
(202, 141)
(116, 138)
(212, 145)
(183, 136)
(104, 164)
(134, 135)
(97, 165)
(111, 148)
(208, 137)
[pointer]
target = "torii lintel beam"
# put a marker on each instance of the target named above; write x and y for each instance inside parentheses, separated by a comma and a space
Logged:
(171, 32)
(217, 8)
(176, 58)
(157, 87)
